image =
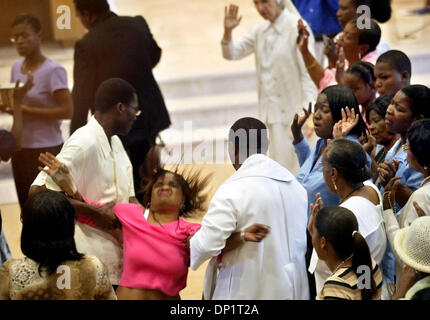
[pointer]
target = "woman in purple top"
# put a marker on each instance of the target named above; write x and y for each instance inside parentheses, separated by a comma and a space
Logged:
(44, 106)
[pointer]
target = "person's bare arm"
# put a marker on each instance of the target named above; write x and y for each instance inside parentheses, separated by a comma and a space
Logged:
(315, 70)
(63, 108)
(254, 233)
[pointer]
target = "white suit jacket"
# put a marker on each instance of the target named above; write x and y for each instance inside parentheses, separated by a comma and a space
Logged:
(261, 191)
(284, 84)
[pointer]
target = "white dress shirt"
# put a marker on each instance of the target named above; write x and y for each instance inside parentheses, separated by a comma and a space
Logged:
(261, 191)
(102, 173)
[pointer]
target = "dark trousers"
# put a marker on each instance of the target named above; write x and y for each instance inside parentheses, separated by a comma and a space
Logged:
(311, 277)
(25, 163)
(137, 153)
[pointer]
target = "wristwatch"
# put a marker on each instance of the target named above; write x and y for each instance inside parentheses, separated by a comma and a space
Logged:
(242, 235)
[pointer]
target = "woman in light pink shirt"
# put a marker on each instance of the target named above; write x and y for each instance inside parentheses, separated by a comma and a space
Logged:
(44, 106)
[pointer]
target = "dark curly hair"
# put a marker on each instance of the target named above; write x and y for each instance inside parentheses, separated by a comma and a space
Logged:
(191, 182)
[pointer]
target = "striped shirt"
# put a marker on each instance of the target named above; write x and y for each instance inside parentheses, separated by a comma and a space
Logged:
(343, 284)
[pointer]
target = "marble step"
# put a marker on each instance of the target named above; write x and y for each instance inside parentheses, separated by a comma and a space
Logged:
(212, 110)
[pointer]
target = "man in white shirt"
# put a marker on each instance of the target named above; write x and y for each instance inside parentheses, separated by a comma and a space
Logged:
(101, 170)
(284, 84)
(260, 191)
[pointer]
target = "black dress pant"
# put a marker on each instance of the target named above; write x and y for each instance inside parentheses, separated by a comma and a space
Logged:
(25, 163)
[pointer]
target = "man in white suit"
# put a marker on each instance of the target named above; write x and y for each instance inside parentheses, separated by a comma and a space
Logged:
(260, 191)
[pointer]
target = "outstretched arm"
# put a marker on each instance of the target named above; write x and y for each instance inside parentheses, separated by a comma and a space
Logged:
(254, 233)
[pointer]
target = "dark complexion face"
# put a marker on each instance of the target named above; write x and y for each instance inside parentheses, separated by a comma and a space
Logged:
(323, 119)
(399, 115)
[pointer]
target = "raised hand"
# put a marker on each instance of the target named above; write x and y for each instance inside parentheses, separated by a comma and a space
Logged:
(231, 19)
(340, 66)
(387, 170)
(315, 209)
(344, 126)
(10, 102)
(330, 51)
(60, 174)
(303, 37)
(52, 163)
(256, 232)
(20, 93)
(298, 122)
(368, 142)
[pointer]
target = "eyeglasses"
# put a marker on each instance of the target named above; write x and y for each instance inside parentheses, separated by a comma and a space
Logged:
(16, 37)
(136, 110)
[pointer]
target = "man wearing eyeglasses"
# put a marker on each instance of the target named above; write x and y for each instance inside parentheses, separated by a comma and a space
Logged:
(102, 172)
(123, 47)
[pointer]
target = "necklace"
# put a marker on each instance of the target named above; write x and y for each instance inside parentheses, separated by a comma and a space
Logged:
(425, 181)
(155, 219)
(349, 194)
(340, 264)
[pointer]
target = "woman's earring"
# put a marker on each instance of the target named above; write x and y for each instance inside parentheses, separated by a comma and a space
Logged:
(334, 184)
(182, 208)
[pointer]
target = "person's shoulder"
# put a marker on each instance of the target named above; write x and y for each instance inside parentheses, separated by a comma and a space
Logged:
(191, 227)
(52, 65)
(18, 64)
(340, 285)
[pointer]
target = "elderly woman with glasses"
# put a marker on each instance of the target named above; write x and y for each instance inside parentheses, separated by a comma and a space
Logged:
(43, 108)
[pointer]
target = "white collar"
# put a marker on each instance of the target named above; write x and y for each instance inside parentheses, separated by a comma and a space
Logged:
(260, 165)
(98, 130)
(278, 25)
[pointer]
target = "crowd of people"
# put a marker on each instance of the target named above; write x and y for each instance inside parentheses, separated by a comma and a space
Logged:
(345, 219)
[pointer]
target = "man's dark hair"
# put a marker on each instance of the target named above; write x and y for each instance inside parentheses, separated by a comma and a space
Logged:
(92, 6)
(397, 60)
(255, 133)
(48, 228)
(27, 18)
(111, 92)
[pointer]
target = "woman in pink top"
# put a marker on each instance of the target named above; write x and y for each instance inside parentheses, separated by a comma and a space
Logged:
(155, 240)
(354, 45)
